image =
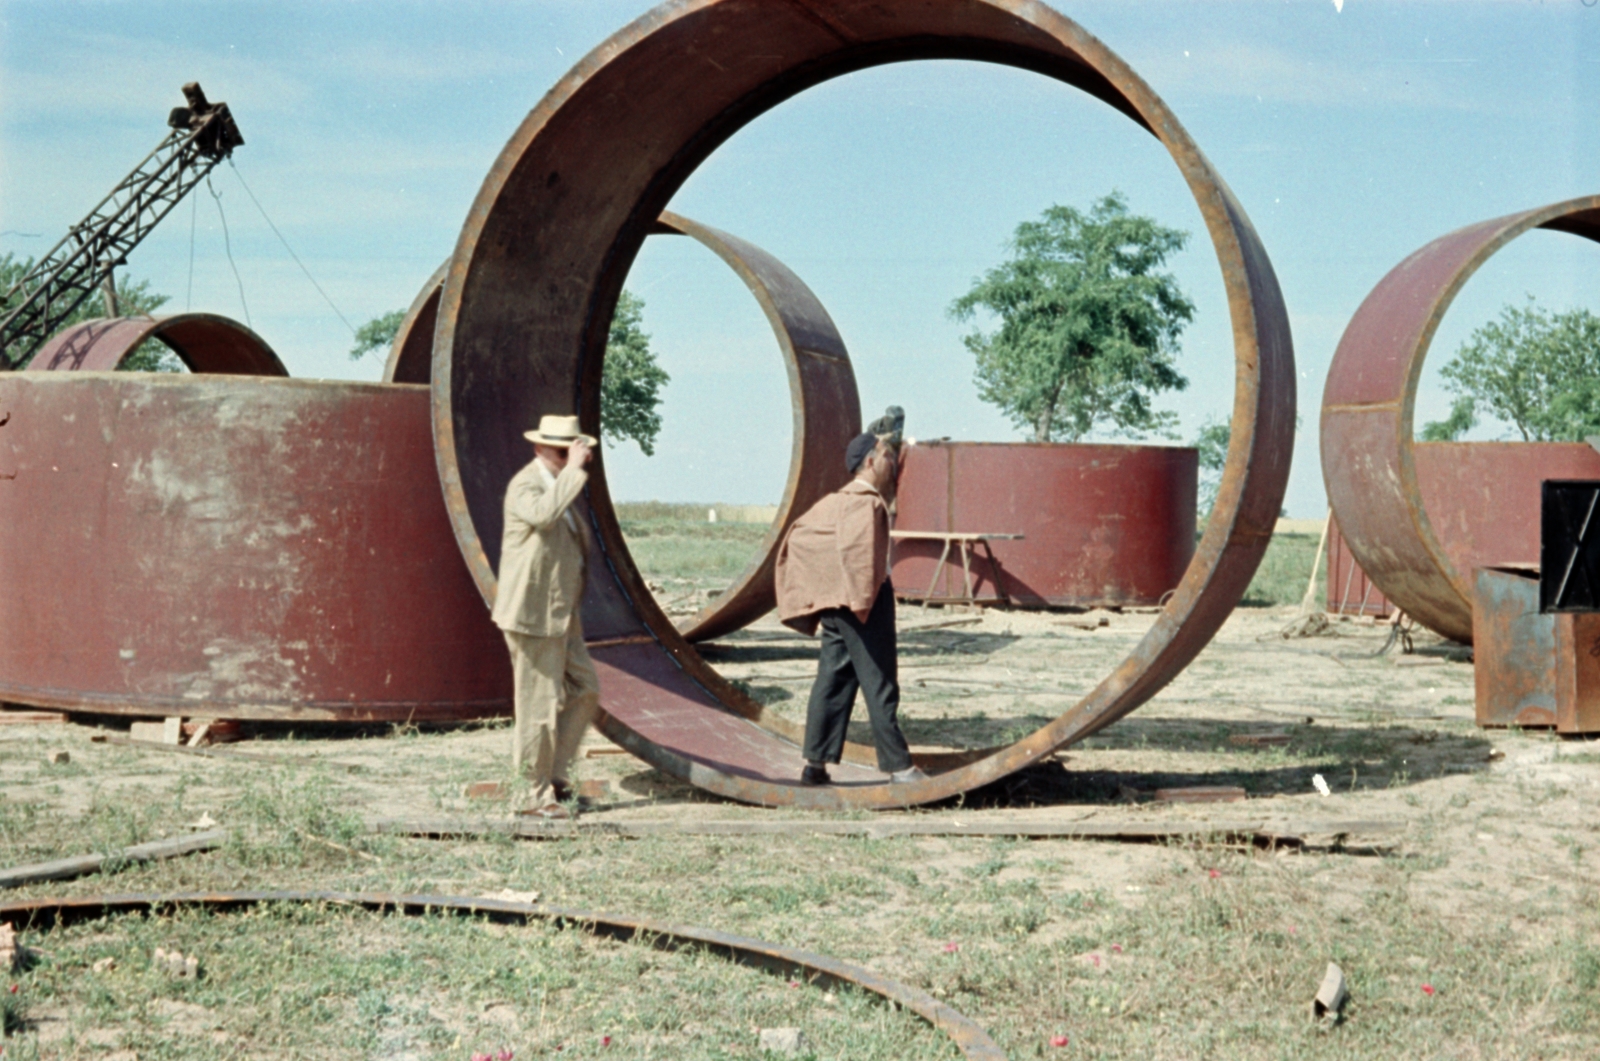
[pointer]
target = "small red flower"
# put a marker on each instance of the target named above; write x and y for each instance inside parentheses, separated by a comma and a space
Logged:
(505, 1053)
(1427, 989)
(1116, 948)
(605, 1040)
(13, 989)
(951, 947)
(794, 983)
(481, 1057)
(1215, 873)
(1058, 1040)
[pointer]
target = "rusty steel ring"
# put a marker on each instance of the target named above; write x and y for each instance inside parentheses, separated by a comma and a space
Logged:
(541, 261)
(204, 342)
(817, 969)
(822, 395)
(1369, 457)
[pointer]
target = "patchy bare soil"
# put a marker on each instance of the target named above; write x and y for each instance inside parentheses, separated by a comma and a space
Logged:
(1483, 887)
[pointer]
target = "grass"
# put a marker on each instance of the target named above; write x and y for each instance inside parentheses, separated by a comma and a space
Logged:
(1216, 957)
(1286, 567)
(677, 549)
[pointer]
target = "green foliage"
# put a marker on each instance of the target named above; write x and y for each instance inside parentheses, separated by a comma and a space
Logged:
(134, 298)
(377, 335)
(1212, 442)
(1088, 327)
(1533, 369)
(630, 389)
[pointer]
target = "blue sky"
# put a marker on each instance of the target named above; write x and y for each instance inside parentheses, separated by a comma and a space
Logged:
(1351, 137)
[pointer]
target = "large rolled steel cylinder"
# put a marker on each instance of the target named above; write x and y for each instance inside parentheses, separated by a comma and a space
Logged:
(1418, 517)
(1102, 525)
(822, 396)
(204, 342)
(223, 547)
(548, 243)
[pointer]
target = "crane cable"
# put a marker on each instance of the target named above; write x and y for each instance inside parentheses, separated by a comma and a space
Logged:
(227, 245)
(286, 246)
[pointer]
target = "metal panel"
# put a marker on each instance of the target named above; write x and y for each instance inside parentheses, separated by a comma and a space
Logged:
(1103, 524)
(204, 342)
(822, 395)
(1372, 467)
(220, 547)
(1577, 672)
(1514, 650)
(548, 243)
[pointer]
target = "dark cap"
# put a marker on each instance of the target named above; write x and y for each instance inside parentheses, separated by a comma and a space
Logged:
(859, 450)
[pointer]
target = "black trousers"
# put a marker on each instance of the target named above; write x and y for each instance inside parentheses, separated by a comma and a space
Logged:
(857, 655)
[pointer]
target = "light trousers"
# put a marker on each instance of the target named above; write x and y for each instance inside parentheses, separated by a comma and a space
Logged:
(557, 694)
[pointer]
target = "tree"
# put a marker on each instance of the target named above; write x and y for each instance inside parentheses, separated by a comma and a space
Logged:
(134, 298)
(377, 335)
(1088, 327)
(1535, 370)
(630, 387)
(1212, 442)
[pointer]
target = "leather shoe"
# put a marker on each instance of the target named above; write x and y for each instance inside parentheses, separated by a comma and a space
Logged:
(815, 775)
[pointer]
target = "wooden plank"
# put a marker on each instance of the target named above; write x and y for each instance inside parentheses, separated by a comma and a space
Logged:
(1201, 794)
(81, 865)
(11, 716)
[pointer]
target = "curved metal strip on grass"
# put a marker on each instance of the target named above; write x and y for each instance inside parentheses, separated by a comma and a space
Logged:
(972, 1040)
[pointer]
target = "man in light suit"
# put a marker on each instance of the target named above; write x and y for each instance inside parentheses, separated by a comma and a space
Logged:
(543, 564)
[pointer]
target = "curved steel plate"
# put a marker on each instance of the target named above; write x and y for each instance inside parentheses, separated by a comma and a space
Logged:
(1369, 459)
(204, 342)
(542, 259)
(822, 396)
(228, 547)
(819, 969)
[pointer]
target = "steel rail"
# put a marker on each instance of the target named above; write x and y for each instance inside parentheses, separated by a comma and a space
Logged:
(204, 342)
(1418, 517)
(819, 969)
(540, 263)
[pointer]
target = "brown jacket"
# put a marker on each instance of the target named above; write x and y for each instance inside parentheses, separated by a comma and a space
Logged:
(542, 552)
(834, 556)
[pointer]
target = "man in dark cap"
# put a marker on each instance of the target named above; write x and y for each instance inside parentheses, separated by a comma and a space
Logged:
(833, 577)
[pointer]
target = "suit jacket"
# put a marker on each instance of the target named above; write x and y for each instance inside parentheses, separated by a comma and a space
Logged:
(834, 556)
(543, 552)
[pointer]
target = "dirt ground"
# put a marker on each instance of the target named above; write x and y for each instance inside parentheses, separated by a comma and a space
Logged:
(1482, 836)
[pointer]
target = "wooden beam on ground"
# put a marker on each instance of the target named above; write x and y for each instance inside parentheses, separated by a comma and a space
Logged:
(82, 865)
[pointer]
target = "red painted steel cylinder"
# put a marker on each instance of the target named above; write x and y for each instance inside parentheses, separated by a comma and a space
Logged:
(222, 547)
(204, 342)
(1102, 524)
(1419, 519)
(541, 261)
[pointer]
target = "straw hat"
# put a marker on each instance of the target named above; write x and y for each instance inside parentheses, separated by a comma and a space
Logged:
(558, 431)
